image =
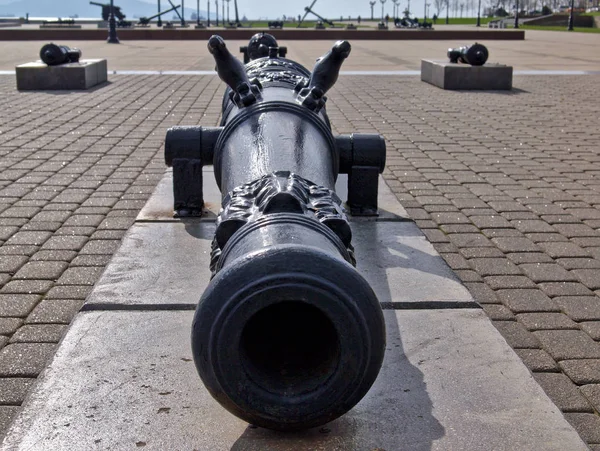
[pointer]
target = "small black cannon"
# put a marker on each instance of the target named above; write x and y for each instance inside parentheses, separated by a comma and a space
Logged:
(475, 55)
(288, 335)
(259, 46)
(54, 54)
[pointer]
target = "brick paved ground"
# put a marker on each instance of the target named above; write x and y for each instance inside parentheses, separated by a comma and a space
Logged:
(505, 185)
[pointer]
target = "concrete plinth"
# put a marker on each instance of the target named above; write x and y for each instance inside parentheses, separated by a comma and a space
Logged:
(456, 76)
(72, 76)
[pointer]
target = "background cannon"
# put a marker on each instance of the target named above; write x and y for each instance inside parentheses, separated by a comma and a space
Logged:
(288, 335)
(54, 54)
(475, 55)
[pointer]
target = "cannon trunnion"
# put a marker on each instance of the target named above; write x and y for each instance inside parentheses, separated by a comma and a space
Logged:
(288, 335)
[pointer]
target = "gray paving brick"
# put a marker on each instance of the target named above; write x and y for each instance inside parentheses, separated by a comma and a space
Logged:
(468, 276)
(7, 231)
(17, 305)
(592, 328)
(497, 312)
(527, 300)
(39, 333)
(580, 308)
(579, 263)
(494, 267)
(563, 392)
(519, 258)
(592, 393)
(553, 289)
(586, 371)
(516, 335)
(568, 344)
(13, 390)
(98, 247)
(7, 414)
(546, 321)
(84, 275)
(563, 249)
(482, 293)
(25, 359)
(509, 282)
(586, 424)
(53, 255)
(515, 244)
(8, 326)
(69, 292)
(589, 277)
(70, 243)
(575, 230)
(50, 270)
(26, 287)
(470, 240)
(12, 264)
(481, 252)
(84, 220)
(75, 231)
(547, 272)
(537, 360)
(533, 226)
(546, 237)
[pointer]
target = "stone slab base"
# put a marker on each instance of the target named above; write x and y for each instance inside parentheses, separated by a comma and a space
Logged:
(446, 75)
(74, 76)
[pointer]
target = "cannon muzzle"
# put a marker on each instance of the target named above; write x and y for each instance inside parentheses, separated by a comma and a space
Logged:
(475, 55)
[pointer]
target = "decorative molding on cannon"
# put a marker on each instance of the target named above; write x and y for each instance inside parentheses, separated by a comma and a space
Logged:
(288, 335)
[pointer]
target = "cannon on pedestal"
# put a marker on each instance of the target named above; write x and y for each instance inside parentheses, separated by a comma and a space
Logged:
(288, 335)
(54, 54)
(475, 55)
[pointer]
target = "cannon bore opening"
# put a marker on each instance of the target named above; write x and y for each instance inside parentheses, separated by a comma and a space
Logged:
(290, 348)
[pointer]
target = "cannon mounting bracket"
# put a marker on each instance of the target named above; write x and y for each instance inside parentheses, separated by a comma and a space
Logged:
(187, 149)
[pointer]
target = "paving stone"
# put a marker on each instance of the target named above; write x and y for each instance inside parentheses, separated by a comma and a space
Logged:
(12, 264)
(546, 237)
(17, 305)
(568, 344)
(519, 258)
(589, 277)
(470, 240)
(39, 333)
(91, 260)
(494, 267)
(498, 312)
(515, 244)
(97, 247)
(113, 223)
(50, 270)
(575, 230)
(509, 282)
(482, 293)
(592, 328)
(41, 226)
(516, 335)
(13, 390)
(53, 255)
(481, 252)
(490, 222)
(8, 326)
(69, 292)
(85, 275)
(70, 243)
(563, 392)
(563, 249)
(547, 272)
(553, 289)
(75, 231)
(7, 414)
(27, 287)
(533, 226)
(580, 308)
(29, 238)
(468, 276)
(592, 393)
(546, 321)
(25, 359)
(579, 263)
(586, 424)
(54, 311)
(537, 360)
(84, 220)
(586, 371)
(527, 300)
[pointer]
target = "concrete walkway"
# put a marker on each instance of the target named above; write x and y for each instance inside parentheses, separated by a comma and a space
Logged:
(505, 186)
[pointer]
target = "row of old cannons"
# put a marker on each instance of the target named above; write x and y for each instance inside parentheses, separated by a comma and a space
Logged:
(288, 335)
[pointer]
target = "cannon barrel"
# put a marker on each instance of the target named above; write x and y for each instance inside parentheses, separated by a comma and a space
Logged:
(475, 55)
(146, 20)
(288, 335)
(54, 54)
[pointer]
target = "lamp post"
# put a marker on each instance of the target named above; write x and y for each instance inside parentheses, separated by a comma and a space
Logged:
(408, 8)
(228, 10)
(182, 13)
(571, 18)
(217, 11)
(372, 6)
(159, 24)
(478, 14)
(223, 11)
(197, 12)
(517, 15)
(447, 13)
(382, 2)
(395, 8)
(112, 26)
(208, 13)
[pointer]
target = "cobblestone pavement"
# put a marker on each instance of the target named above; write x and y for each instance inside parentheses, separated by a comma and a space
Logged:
(506, 185)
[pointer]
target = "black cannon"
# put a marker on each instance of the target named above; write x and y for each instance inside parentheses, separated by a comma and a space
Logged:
(288, 335)
(146, 20)
(475, 55)
(106, 11)
(54, 54)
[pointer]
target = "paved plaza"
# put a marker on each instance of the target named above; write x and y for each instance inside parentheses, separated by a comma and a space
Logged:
(505, 185)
